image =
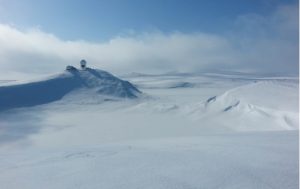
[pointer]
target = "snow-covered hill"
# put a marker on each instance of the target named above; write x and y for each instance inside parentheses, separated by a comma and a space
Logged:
(55, 87)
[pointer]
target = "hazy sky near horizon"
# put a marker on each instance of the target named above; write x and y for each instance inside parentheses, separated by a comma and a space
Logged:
(41, 36)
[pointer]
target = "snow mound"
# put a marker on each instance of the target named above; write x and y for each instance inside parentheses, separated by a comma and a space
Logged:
(57, 86)
(250, 106)
(272, 94)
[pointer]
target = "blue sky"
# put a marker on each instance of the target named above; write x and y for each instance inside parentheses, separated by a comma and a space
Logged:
(121, 36)
(99, 20)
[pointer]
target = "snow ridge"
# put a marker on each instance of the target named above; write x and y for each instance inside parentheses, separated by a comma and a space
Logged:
(55, 87)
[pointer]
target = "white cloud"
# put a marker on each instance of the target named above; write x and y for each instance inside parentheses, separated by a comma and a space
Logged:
(268, 44)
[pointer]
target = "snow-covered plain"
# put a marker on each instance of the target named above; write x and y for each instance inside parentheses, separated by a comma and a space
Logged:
(203, 130)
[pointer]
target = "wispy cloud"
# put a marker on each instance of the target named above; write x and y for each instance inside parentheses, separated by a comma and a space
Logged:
(259, 43)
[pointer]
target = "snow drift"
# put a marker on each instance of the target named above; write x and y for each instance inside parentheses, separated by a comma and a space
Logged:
(55, 87)
(266, 105)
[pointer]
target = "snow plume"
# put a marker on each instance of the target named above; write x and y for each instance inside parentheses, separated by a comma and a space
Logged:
(254, 43)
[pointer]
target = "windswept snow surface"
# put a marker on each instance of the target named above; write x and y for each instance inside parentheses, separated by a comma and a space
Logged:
(55, 87)
(186, 131)
(253, 160)
(273, 104)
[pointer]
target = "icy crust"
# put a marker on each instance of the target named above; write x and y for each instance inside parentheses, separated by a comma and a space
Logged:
(55, 87)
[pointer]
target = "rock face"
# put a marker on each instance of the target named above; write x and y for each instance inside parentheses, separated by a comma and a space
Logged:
(55, 87)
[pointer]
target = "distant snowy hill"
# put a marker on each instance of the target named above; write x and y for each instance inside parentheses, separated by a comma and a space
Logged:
(54, 88)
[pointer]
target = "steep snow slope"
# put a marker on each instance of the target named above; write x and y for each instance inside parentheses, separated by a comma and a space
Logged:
(55, 87)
